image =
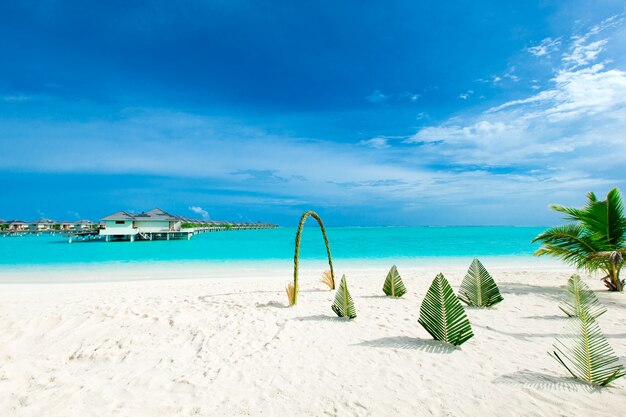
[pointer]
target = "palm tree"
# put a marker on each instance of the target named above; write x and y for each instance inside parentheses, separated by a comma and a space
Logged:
(595, 240)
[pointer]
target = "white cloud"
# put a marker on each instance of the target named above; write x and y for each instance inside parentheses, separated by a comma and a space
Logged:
(223, 153)
(200, 211)
(569, 126)
(378, 143)
(466, 95)
(496, 79)
(585, 91)
(481, 130)
(584, 53)
(546, 47)
(407, 95)
(511, 76)
(376, 97)
(15, 98)
(382, 142)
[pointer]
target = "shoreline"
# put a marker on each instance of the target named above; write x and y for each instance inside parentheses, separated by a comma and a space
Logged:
(257, 269)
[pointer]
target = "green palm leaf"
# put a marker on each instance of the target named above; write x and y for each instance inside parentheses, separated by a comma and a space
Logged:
(478, 287)
(588, 356)
(443, 316)
(296, 256)
(343, 305)
(580, 301)
(394, 286)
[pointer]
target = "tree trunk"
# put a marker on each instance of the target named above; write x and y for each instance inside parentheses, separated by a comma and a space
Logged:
(612, 281)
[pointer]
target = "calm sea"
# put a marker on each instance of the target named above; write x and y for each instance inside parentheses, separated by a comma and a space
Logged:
(348, 243)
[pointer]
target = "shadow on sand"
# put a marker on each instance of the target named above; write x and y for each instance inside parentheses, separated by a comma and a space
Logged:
(524, 335)
(380, 296)
(321, 317)
(542, 381)
(405, 342)
(548, 317)
(515, 288)
(274, 304)
(531, 335)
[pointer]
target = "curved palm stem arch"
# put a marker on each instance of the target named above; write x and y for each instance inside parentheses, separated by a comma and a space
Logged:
(297, 253)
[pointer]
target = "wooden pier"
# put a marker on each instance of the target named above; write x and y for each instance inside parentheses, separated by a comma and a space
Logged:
(122, 226)
(19, 233)
(182, 234)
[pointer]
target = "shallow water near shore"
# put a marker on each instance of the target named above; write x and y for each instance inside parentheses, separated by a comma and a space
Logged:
(354, 245)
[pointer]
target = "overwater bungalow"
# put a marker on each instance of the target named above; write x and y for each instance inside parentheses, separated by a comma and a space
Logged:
(16, 225)
(144, 225)
(43, 224)
(67, 225)
(84, 225)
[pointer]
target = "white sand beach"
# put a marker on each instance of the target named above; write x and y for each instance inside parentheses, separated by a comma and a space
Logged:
(229, 346)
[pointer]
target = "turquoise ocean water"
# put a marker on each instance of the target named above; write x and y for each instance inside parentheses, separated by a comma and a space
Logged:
(347, 243)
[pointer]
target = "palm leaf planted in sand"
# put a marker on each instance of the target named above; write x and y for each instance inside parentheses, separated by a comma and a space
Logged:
(580, 300)
(328, 279)
(443, 316)
(394, 286)
(478, 287)
(588, 356)
(344, 305)
(289, 289)
(297, 251)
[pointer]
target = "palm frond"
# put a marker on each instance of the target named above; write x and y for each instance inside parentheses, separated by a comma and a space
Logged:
(588, 356)
(568, 242)
(328, 279)
(598, 228)
(296, 255)
(478, 287)
(291, 292)
(393, 285)
(580, 301)
(344, 305)
(443, 316)
(615, 223)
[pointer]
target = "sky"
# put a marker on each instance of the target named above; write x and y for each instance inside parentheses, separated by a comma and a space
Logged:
(371, 113)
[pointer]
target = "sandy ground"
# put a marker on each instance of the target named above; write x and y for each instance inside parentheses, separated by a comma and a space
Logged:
(231, 347)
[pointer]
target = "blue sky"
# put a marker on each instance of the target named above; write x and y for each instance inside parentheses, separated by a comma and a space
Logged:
(371, 113)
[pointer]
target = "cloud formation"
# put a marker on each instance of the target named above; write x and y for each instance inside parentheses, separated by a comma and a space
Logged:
(558, 131)
(200, 211)
(546, 47)
(376, 97)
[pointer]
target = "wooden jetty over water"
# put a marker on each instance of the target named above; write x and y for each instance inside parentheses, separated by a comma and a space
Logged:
(155, 224)
(183, 234)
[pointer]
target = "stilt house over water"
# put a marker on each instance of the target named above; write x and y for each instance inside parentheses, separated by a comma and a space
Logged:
(129, 225)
